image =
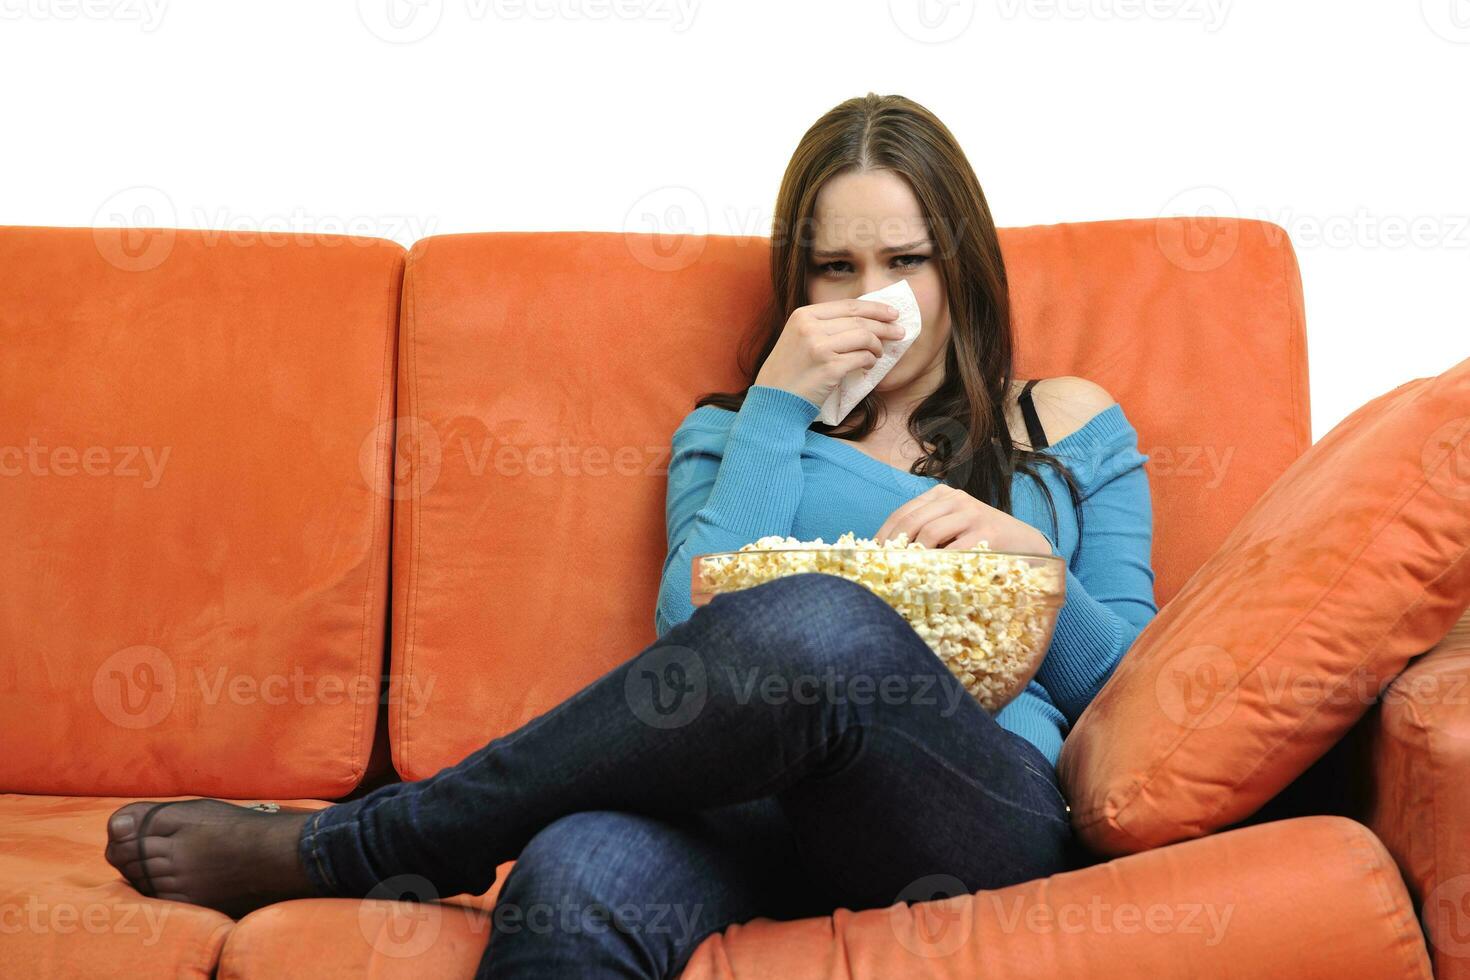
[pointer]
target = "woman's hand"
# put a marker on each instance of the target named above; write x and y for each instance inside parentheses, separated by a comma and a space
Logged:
(947, 517)
(823, 343)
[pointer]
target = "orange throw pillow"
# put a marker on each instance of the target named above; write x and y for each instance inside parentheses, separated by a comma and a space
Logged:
(1352, 563)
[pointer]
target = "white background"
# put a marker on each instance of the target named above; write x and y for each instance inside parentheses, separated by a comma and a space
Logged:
(1345, 122)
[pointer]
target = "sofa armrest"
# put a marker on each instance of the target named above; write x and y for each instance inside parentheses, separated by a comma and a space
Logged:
(1316, 898)
(1417, 742)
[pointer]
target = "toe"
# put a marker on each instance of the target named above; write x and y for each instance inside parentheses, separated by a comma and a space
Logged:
(123, 824)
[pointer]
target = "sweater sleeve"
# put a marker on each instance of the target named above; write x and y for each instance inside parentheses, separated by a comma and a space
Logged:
(727, 489)
(1110, 587)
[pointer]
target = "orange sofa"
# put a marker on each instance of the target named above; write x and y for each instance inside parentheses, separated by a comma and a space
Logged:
(290, 517)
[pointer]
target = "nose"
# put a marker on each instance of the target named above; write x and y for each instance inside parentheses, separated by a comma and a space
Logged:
(873, 283)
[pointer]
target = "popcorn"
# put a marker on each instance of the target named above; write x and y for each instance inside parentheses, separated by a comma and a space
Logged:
(987, 615)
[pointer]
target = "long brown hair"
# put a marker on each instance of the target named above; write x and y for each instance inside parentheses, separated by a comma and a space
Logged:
(890, 132)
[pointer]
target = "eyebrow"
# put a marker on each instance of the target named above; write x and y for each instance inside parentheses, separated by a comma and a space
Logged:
(836, 253)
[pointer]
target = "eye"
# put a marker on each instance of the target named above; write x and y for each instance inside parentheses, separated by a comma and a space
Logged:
(904, 262)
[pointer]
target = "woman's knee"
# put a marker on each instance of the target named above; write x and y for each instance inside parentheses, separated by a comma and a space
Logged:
(598, 870)
(589, 857)
(813, 623)
(604, 889)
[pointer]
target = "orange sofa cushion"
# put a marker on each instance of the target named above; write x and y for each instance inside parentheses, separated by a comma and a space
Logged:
(194, 504)
(542, 376)
(1419, 752)
(66, 912)
(1313, 898)
(1352, 563)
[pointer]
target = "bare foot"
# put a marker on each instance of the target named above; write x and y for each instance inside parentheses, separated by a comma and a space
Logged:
(211, 853)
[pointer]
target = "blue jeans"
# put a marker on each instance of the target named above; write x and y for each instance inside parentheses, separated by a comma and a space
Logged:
(789, 749)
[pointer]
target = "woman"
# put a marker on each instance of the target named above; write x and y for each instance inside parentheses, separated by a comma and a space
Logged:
(795, 747)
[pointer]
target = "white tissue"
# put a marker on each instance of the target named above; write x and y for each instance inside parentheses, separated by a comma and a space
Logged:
(855, 386)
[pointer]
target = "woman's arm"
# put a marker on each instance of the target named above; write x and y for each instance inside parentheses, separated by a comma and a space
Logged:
(1110, 589)
(729, 489)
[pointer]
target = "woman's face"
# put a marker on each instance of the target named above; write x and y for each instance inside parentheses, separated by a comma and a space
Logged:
(869, 232)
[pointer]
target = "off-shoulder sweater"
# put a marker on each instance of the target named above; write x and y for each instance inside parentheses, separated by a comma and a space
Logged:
(738, 476)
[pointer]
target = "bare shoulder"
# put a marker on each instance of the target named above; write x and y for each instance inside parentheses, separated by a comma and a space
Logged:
(1067, 403)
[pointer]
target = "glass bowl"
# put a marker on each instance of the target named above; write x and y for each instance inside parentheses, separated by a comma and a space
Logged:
(988, 615)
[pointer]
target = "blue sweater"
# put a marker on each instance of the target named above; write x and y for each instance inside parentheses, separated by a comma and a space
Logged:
(738, 476)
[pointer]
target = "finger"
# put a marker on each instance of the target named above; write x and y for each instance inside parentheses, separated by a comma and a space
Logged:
(940, 531)
(889, 527)
(858, 338)
(913, 522)
(970, 540)
(835, 308)
(849, 326)
(901, 519)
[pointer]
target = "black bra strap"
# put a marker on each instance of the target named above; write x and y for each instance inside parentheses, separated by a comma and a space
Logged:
(1034, 430)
